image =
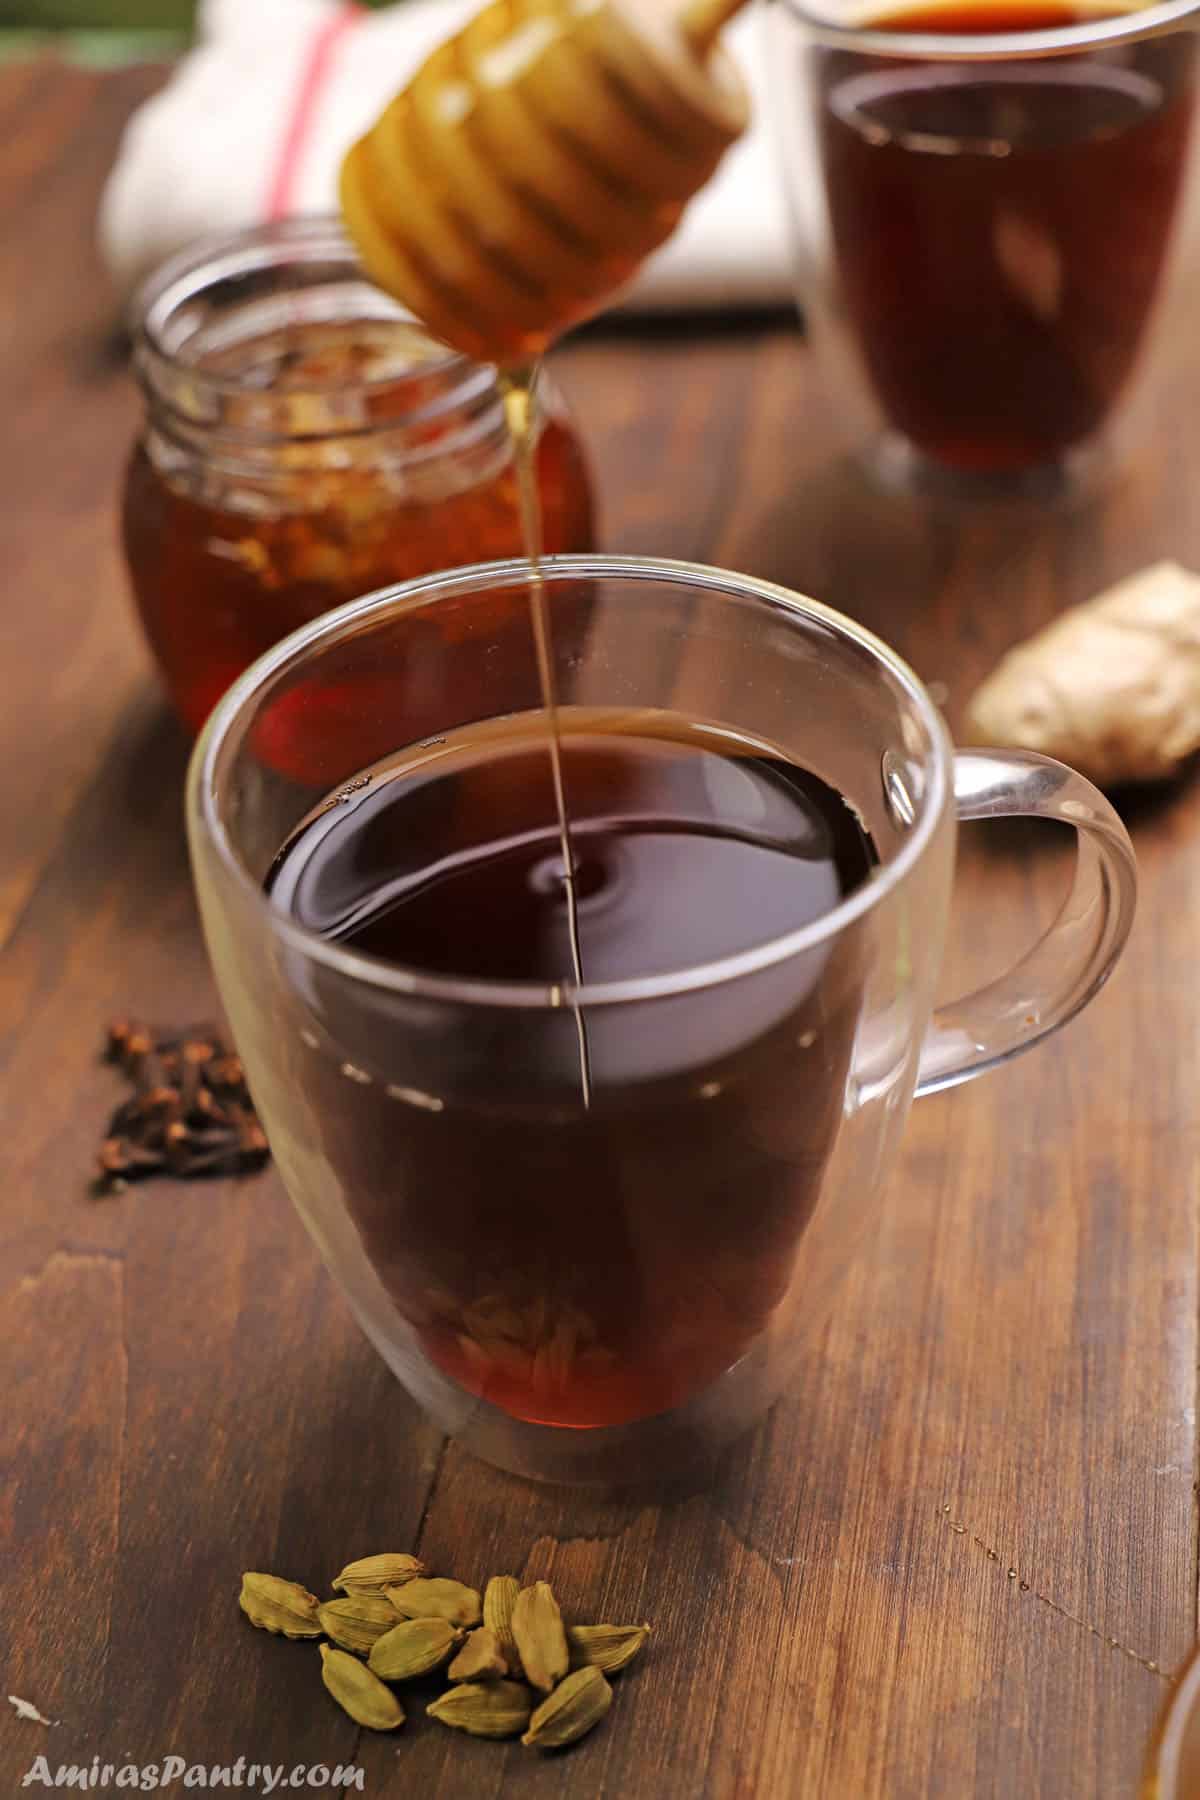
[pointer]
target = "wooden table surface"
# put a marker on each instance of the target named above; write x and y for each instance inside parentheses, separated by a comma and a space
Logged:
(958, 1559)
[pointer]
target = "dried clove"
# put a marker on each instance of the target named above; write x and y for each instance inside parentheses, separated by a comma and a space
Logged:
(190, 1113)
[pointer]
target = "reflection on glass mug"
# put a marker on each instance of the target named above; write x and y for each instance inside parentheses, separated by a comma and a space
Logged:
(588, 1225)
(984, 244)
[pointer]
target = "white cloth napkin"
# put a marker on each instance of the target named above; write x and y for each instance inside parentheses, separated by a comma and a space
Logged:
(257, 116)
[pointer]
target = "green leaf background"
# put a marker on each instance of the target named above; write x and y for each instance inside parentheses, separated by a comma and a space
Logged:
(92, 15)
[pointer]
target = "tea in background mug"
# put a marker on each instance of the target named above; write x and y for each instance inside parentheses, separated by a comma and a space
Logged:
(596, 1286)
(981, 257)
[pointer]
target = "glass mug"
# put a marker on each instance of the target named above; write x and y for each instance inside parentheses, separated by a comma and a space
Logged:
(1172, 1768)
(596, 1292)
(983, 218)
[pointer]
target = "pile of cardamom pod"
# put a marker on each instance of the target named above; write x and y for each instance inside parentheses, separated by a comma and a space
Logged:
(499, 1652)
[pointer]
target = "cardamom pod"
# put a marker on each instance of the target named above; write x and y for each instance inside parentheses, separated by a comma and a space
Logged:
(541, 1641)
(499, 1598)
(494, 1709)
(479, 1659)
(607, 1647)
(358, 1692)
(412, 1648)
(277, 1605)
(437, 1599)
(371, 1574)
(357, 1621)
(576, 1704)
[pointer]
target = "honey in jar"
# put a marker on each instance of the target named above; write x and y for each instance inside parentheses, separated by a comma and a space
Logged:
(307, 442)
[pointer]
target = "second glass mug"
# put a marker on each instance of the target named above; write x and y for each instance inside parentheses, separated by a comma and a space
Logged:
(600, 1292)
(984, 219)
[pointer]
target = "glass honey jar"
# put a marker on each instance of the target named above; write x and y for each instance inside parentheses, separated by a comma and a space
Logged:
(305, 443)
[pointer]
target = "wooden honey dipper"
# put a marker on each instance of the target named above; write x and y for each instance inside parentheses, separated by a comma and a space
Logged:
(536, 159)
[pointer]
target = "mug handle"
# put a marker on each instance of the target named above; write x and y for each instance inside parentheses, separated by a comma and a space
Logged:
(1072, 961)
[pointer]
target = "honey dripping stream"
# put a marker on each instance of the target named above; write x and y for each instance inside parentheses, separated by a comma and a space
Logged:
(518, 388)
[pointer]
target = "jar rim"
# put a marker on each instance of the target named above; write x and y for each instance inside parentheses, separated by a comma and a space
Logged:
(1097, 26)
(165, 319)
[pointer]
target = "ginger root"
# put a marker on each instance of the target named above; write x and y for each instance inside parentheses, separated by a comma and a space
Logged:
(1112, 687)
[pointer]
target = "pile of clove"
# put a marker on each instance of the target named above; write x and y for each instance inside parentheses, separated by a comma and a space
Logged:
(190, 1113)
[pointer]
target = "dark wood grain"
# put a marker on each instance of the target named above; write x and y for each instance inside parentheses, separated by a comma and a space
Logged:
(947, 1562)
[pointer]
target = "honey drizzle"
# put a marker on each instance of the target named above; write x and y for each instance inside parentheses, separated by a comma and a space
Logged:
(518, 387)
(1014, 1575)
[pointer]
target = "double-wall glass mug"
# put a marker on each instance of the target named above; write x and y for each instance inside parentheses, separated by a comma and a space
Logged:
(604, 1280)
(986, 197)
(1172, 1768)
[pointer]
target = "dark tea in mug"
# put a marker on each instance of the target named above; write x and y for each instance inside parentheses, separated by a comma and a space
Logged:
(1001, 227)
(577, 1260)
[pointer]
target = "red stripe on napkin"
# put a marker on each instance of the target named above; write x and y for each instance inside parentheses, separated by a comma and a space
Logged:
(313, 76)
